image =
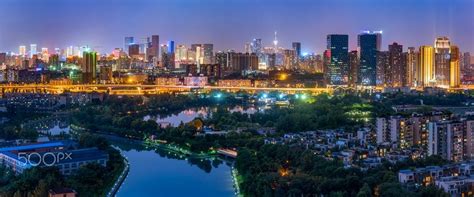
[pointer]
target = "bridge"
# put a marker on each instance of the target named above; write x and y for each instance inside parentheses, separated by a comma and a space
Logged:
(142, 89)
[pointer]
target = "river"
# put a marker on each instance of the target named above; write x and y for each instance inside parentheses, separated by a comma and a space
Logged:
(162, 173)
(157, 172)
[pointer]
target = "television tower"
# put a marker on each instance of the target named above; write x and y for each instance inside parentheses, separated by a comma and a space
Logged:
(275, 42)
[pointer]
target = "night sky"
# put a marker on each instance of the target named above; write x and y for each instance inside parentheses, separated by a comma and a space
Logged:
(228, 24)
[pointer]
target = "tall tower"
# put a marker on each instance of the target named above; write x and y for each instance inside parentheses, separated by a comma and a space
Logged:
(397, 64)
(412, 67)
(127, 42)
(89, 66)
(455, 69)
(338, 47)
(367, 43)
(275, 42)
(426, 66)
(442, 61)
(33, 50)
(22, 50)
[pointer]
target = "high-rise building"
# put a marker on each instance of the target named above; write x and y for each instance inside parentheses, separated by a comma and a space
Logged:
(412, 56)
(256, 45)
(181, 53)
(208, 53)
(455, 70)
(89, 66)
(367, 43)
(289, 59)
(165, 57)
(247, 47)
(154, 48)
(338, 67)
(354, 68)
(33, 50)
(297, 47)
(383, 68)
(133, 50)
(204, 53)
(127, 42)
(379, 39)
(22, 50)
(397, 71)
(466, 61)
(426, 66)
(239, 62)
(446, 139)
(257, 48)
(171, 46)
(442, 61)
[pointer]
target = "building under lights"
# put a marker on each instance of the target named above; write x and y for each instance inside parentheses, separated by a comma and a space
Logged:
(33, 50)
(89, 67)
(442, 61)
(22, 50)
(367, 43)
(412, 56)
(338, 67)
(426, 66)
(455, 69)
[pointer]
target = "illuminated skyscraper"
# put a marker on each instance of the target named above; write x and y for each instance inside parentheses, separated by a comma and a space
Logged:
(354, 68)
(442, 61)
(69, 51)
(383, 68)
(256, 46)
(127, 42)
(167, 58)
(154, 48)
(248, 48)
(338, 67)
(171, 46)
(289, 59)
(181, 53)
(33, 50)
(367, 43)
(89, 66)
(22, 50)
(396, 73)
(411, 67)
(171, 54)
(426, 66)
(134, 50)
(379, 39)
(455, 69)
(297, 47)
(208, 53)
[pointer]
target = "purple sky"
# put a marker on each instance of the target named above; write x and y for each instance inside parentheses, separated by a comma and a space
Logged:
(228, 24)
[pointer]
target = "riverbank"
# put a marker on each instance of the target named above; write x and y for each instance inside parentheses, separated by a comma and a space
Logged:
(178, 149)
(121, 178)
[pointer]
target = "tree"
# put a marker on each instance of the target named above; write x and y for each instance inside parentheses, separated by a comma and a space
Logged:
(365, 191)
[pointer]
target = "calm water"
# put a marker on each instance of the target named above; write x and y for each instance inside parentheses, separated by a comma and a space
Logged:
(158, 174)
(188, 115)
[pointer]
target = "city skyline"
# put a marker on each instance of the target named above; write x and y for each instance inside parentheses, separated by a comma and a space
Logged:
(417, 23)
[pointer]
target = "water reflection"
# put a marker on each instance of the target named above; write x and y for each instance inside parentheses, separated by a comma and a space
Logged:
(56, 126)
(188, 115)
(163, 173)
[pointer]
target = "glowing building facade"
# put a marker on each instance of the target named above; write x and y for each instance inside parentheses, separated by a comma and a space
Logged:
(426, 66)
(442, 61)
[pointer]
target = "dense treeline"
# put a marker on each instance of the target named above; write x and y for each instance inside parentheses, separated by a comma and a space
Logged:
(276, 170)
(441, 99)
